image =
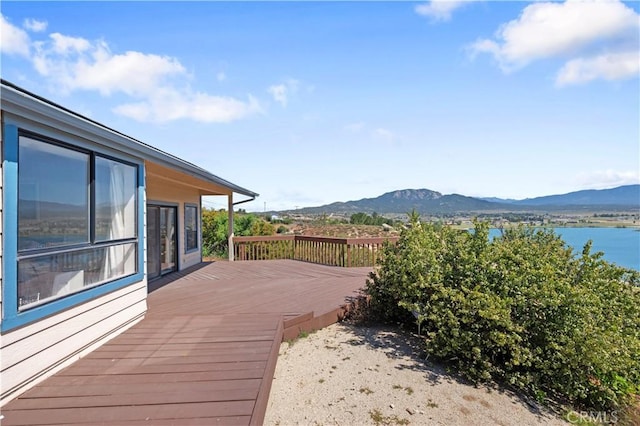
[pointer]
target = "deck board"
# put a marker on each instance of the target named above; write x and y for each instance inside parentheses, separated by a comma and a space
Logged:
(204, 354)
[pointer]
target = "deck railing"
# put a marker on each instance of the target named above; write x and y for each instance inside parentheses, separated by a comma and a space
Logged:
(344, 252)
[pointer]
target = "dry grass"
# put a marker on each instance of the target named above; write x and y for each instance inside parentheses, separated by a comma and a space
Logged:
(341, 230)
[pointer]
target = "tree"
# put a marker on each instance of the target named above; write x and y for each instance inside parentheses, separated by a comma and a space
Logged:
(215, 229)
(365, 219)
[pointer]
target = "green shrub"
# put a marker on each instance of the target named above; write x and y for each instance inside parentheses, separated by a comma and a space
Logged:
(365, 219)
(215, 229)
(521, 309)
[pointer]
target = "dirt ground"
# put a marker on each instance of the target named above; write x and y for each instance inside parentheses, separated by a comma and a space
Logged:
(355, 375)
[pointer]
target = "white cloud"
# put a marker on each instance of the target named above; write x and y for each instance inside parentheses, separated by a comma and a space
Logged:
(158, 85)
(133, 73)
(65, 45)
(77, 64)
(602, 179)
(354, 127)
(35, 25)
(14, 40)
(377, 134)
(281, 92)
(439, 10)
(553, 29)
(170, 104)
(383, 135)
(608, 66)
(570, 30)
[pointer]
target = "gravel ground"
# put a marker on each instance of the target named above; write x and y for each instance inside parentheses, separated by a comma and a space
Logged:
(354, 375)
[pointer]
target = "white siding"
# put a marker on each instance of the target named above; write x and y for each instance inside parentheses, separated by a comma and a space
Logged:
(1, 207)
(32, 353)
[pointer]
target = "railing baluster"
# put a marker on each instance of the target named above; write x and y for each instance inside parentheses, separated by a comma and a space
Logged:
(345, 252)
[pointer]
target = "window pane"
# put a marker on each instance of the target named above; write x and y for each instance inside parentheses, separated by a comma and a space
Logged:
(53, 195)
(52, 276)
(115, 200)
(191, 227)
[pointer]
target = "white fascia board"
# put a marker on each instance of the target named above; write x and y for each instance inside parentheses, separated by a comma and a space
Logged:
(21, 103)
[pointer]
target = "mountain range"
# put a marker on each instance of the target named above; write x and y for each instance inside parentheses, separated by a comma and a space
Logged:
(426, 201)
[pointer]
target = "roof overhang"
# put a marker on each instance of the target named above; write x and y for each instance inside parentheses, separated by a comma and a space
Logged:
(161, 174)
(19, 102)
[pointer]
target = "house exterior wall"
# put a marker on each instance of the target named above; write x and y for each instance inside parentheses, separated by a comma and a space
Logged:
(170, 192)
(39, 338)
(1, 213)
(38, 346)
(32, 353)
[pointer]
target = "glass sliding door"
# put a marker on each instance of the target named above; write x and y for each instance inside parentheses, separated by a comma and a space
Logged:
(153, 241)
(161, 240)
(168, 239)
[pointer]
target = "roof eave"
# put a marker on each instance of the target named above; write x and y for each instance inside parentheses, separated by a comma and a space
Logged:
(16, 100)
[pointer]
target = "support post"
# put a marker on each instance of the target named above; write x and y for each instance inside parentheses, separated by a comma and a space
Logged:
(230, 231)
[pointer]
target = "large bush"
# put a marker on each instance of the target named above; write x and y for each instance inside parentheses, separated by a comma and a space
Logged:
(215, 229)
(522, 308)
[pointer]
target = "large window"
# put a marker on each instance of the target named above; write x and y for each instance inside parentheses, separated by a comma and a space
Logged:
(77, 224)
(190, 227)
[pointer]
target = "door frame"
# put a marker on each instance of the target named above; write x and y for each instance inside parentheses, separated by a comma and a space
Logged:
(176, 240)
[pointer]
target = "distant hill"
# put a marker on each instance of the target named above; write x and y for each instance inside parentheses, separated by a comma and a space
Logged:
(499, 200)
(405, 200)
(621, 196)
(426, 201)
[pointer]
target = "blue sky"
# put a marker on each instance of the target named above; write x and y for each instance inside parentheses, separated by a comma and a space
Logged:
(309, 103)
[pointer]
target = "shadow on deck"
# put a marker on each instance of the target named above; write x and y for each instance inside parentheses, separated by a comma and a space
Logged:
(205, 352)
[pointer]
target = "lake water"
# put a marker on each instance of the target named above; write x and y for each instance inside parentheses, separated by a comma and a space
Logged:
(619, 245)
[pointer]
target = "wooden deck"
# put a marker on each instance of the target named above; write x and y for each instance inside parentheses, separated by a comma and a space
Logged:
(205, 352)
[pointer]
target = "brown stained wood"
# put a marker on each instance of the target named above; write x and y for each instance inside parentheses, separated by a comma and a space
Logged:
(203, 421)
(85, 369)
(205, 352)
(262, 398)
(169, 396)
(160, 378)
(172, 349)
(125, 413)
(178, 359)
(61, 390)
(344, 252)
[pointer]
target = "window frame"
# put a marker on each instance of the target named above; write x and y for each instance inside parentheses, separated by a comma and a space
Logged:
(197, 230)
(12, 317)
